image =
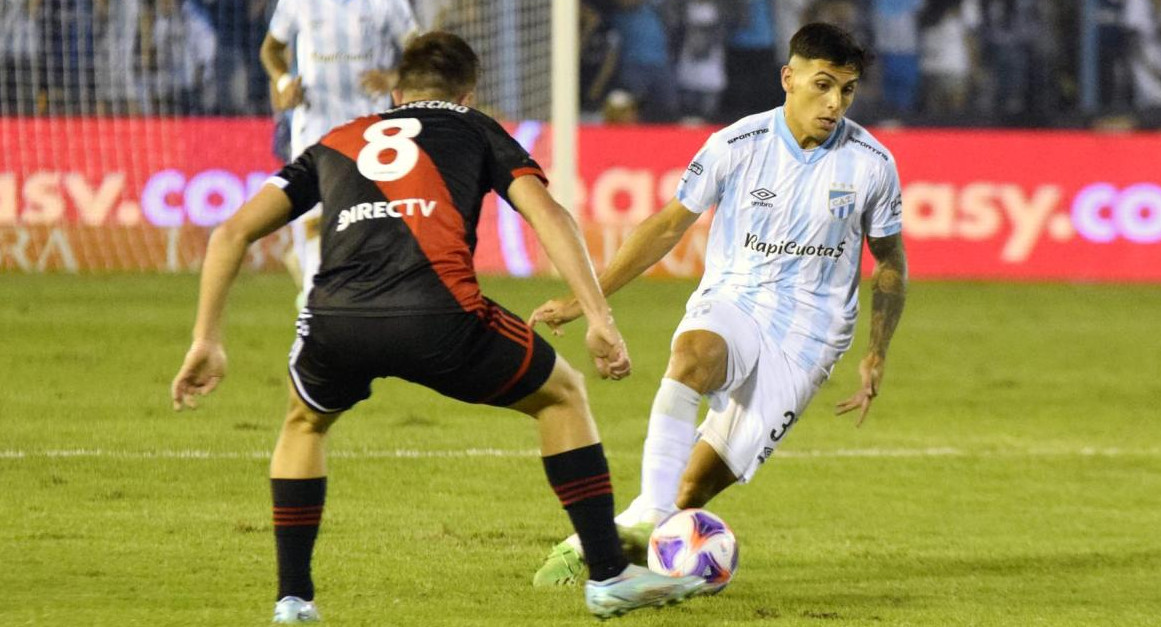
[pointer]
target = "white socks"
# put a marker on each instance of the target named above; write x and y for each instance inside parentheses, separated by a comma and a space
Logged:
(668, 445)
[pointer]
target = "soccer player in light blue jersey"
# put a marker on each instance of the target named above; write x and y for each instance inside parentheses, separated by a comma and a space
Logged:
(797, 190)
(345, 52)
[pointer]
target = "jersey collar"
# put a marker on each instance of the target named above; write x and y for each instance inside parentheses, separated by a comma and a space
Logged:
(783, 131)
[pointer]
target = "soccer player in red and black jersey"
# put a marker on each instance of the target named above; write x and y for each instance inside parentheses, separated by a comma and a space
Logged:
(397, 296)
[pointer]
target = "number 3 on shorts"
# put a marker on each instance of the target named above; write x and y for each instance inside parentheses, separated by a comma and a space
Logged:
(380, 139)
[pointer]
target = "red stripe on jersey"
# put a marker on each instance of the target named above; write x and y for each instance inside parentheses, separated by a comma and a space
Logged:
(442, 236)
(529, 171)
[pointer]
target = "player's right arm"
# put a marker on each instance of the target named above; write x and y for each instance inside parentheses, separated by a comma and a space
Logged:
(559, 235)
(275, 57)
(646, 245)
(699, 190)
(287, 89)
(205, 362)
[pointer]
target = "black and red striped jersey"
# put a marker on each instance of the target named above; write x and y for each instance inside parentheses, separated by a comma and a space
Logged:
(401, 193)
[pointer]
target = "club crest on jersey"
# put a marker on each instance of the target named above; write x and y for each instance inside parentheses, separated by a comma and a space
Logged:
(841, 201)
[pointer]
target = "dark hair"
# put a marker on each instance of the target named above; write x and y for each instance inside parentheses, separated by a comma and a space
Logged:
(828, 42)
(439, 62)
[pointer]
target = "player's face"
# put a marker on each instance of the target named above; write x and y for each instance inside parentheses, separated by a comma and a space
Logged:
(818, 94)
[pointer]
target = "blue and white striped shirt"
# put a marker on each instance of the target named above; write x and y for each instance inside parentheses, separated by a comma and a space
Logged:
(336, 42)
(786, 239)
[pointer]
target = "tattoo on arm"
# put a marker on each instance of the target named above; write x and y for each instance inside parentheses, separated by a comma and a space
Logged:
(888, 289)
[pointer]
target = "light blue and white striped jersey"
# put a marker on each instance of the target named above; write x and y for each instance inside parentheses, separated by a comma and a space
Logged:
(786, 238)
(335, 42)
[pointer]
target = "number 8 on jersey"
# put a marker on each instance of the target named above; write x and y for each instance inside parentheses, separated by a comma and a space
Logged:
(379, 141)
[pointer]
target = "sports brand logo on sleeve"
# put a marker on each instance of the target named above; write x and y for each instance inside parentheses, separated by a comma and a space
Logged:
(696, 168)
(841, 201)
(897, 206)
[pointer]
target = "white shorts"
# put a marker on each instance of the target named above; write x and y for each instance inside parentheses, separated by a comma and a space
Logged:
(764, 393)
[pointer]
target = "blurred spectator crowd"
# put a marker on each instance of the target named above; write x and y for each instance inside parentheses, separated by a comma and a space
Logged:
(1026, 63)
(130, 57)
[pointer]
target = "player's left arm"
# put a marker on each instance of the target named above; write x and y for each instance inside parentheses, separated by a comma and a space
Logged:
(888, 290)
(205, 362)
(561, 238)
(888, 295)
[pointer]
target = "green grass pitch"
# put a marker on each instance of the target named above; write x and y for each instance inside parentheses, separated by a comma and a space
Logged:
(1009, 474)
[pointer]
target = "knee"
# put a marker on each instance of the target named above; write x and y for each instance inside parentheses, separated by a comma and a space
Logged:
(568, 388)
(700, 365)
(300, 420)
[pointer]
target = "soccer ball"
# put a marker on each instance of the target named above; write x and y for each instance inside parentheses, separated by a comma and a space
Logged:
(694, 542)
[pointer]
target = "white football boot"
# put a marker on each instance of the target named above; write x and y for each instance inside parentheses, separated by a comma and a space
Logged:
(295, 610)
(638, 587)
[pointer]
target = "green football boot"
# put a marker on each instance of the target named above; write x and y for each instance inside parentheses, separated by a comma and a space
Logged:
(635, 542)
(564, 566)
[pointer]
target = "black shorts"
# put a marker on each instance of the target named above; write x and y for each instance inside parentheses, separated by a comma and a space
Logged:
(494, 358)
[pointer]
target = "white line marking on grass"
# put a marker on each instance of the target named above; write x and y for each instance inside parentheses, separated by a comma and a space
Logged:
(931, 452)
(201, 454)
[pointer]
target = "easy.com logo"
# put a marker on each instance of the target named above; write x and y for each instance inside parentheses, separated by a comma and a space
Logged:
(1102, 212)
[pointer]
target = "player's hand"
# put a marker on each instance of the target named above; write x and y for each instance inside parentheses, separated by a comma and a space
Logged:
(871, 371)
(289, 97)
(203, 369)
(378, 82)
(556, 312)
(608, 350)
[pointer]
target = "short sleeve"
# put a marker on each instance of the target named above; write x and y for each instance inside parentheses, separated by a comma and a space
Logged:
(701, 184)
(299, 180)
(507, 159)
(884, 213)
(284, 23)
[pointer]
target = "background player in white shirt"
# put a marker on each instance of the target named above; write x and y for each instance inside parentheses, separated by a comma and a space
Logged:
(345, 52)
(797, 190)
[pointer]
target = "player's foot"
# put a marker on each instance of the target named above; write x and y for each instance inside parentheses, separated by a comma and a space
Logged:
(564, 566)
(638, 587)
(295, 610)
(635, 542)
